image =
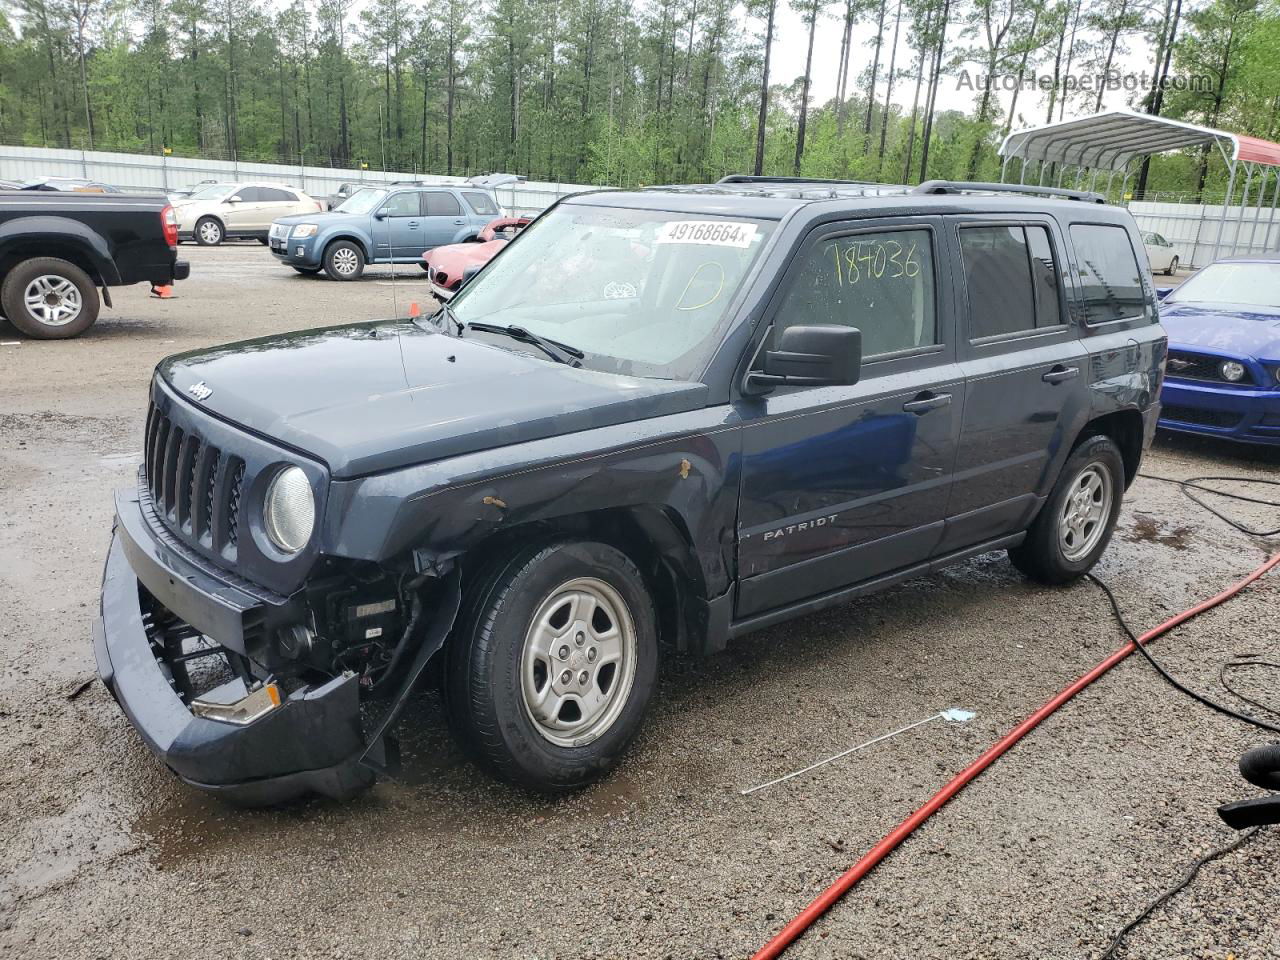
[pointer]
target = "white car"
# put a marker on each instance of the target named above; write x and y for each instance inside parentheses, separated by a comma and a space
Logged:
(224, 211)
(1161, 253)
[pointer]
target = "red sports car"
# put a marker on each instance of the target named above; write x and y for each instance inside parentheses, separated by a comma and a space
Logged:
(449, 266)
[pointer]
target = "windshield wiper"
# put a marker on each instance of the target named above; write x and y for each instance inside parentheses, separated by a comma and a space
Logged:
(560, 352)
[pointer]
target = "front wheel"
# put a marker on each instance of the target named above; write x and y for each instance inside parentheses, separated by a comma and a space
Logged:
(555, 663)
(209, 232)
(1173, 267)
(1076, 522)
(49, 299)
(344, 261)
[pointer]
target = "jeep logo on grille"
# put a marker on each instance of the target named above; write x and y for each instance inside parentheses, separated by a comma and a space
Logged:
(201, 391)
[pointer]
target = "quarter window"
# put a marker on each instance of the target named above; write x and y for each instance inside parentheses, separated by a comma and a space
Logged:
(1011, 280)
(1108, 273)
(881, 283)
(482, 203)
(442, 204)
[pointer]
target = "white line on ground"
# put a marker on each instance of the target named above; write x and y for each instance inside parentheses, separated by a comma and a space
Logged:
(953, 715)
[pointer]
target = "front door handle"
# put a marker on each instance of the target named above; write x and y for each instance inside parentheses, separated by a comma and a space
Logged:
(459, 222)
(413, 224)
(1061, 374)
(925, 402)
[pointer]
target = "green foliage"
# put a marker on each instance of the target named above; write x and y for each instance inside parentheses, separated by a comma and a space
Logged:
(619, 92)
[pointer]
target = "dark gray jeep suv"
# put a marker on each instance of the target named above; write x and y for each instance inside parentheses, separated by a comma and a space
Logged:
(657, 420)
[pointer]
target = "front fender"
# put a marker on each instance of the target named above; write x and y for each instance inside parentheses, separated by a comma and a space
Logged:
(687, 466)
(50, 232)
(346, 233)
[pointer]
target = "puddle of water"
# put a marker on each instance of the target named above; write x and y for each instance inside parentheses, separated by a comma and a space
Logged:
(1147, 529)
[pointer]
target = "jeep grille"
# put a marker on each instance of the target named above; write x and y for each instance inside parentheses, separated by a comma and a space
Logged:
(194, 487)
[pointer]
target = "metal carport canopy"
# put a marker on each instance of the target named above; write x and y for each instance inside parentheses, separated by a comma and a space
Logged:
(1110, 140)
(1107, 143)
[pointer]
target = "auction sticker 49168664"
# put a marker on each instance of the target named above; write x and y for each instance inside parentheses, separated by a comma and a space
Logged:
(719, 233)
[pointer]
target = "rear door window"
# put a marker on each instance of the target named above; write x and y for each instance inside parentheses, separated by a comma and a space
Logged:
(442, 204)
(880, 282)
(274, 195)
(1011, 279)
(1108, 274)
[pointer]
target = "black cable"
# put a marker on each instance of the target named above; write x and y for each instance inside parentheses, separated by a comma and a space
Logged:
(1173, 891)
(1191, 484)
(1173, 681)
(1241, 664)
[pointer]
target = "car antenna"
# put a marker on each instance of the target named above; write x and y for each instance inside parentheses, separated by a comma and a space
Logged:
(391, 250)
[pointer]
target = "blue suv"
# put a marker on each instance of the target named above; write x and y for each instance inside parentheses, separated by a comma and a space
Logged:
(391, 224)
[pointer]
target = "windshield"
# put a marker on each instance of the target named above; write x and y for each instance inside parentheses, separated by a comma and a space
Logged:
(641, 292)
(214, 191)
(1253, 284)
(362, 201)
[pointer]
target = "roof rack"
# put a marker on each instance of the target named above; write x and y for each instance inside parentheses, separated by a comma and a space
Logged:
(747, 178)
(959, 186)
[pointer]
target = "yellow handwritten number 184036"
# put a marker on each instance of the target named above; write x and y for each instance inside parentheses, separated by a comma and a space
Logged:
(874, 260)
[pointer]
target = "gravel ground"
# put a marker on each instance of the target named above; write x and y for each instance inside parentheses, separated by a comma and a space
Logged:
(104, 853)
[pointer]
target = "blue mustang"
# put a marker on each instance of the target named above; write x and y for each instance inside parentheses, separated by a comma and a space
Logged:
(1223, 372)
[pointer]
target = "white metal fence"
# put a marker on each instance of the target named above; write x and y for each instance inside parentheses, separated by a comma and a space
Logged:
(1193, 229)
(141, 173)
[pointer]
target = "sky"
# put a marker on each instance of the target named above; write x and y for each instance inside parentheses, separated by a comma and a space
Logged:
(791, 43)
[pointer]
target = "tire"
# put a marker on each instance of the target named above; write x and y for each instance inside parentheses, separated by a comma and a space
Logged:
(425, 266)
(49, 299)
(263, 240)
(307, 271)
(502, 673)
(210, 232)
(343, 260)
(1173, 266)
(1068, 536)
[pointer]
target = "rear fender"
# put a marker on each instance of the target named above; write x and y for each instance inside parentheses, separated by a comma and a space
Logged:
(46, 236)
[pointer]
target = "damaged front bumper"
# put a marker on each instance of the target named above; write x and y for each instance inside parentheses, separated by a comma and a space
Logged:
(311, 742)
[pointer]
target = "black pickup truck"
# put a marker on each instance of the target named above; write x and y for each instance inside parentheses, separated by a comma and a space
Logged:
(57, 248)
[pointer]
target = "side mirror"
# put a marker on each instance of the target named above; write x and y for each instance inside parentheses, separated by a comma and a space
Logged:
(380, 215)
(235, 199)
(813, 356)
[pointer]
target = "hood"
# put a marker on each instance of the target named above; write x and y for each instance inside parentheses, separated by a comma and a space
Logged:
(377, 396)
(319, 217)
(1240, 331)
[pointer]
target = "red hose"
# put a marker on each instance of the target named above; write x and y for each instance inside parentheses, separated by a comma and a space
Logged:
(850, 877)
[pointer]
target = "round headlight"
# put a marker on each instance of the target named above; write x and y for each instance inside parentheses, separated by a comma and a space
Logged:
(1231, 370)
(290, 510)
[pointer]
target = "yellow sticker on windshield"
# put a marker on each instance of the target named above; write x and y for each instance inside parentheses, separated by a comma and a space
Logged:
(718, 233)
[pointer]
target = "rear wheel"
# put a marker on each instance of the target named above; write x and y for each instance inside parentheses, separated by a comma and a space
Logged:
(343, 261)
(1173, 267)
(209, 232)
(556, 661)
(1076, 522)
(49, 299)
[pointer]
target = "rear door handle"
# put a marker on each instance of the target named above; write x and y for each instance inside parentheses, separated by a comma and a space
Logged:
(413, 224)
(1061, 374)
(925, 402)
